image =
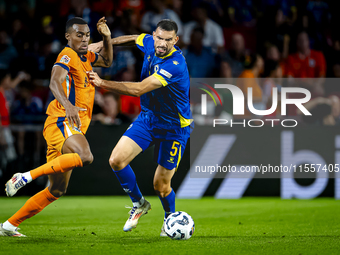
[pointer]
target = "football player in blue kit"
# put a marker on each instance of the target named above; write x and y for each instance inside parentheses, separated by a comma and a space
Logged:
(164, 120)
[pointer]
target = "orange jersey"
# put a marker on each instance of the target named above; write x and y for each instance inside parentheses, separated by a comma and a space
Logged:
(79, 91)
(249, 82)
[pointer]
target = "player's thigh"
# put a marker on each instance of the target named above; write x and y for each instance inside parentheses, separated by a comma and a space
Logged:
(124, 152)
(78, 144)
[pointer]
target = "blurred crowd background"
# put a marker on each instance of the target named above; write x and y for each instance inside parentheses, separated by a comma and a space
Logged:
(268, 39)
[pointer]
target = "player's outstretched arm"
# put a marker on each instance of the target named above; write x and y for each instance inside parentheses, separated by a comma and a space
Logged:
(126, 88)
(106, 54)
(57, 78)
(125, 40)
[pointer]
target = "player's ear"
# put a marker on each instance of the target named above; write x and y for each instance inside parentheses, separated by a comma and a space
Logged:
(67, 36)
(176, 40)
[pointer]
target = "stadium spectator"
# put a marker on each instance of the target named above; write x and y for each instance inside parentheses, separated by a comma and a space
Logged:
(81, 8)
(215, 9)
(248, 79)
(325, 111)
(287, 7)
(111, 114)
(135, 6)
(273, 79)
(7, 150)
(124, 59)
(159, 11)
(233, 60)
(7, 51)
(307, 63)
(200, 59)
(213, 34)
(242, 12)
(274, 30)
(317, 20)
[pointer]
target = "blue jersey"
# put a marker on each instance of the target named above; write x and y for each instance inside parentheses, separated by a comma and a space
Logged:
(167, 107)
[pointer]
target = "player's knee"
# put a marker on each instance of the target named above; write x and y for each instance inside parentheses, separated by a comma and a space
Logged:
(86, 158)
(116, 163)
(58, 192)
(162, 189)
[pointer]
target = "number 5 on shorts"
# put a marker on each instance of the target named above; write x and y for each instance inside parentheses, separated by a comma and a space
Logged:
(174, 153)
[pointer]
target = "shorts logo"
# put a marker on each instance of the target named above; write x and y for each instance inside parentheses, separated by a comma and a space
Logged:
(171, 160)
(165, 73)
(65, 59)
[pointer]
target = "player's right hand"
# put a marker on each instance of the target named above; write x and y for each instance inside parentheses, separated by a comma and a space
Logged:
(95, 79)
(102, 28)
(72, 115)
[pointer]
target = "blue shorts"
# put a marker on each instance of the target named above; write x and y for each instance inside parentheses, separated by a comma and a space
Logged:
(169, 144)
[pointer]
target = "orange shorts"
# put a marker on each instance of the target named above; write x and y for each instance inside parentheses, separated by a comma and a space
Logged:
(56, 131)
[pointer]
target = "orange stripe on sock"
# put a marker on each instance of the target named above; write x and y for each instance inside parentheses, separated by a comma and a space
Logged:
(61, 164)
(32, 206)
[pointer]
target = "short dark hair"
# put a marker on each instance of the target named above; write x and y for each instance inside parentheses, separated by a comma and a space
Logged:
(73, 21)
(168, 25)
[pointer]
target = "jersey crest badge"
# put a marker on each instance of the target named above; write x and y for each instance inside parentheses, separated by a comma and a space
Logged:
(175, 62)
(65, 59)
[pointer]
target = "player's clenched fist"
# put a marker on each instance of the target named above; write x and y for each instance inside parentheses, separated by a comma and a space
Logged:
(102, 28)
(95, 79)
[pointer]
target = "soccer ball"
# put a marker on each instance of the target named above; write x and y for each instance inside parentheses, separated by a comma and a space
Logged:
(179, 226)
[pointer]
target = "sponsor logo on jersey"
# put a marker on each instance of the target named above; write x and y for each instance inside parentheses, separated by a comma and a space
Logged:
(156, 68)
(175, 62)
(65, 59)
(165, 73)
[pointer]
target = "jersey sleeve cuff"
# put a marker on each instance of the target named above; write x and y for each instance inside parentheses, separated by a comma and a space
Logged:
(95, 60)
(161, 79)
(140, 39)
(63, 66)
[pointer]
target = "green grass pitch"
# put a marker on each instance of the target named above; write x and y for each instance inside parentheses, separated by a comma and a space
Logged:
(94, 225)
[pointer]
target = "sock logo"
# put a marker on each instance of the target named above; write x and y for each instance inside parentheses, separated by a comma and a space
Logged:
(127, 190)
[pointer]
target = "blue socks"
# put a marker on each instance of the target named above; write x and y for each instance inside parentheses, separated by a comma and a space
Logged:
(127, 179)
(168, 203)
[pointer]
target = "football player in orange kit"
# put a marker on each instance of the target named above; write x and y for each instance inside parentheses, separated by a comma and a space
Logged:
(69, 116)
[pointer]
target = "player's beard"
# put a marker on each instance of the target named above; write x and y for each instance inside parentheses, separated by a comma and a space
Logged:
(166, 52)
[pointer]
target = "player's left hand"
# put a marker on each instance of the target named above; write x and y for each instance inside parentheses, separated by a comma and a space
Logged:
(95, 79)
(102, 28)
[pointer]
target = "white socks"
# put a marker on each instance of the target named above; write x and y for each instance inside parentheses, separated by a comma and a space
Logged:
(27, 176)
